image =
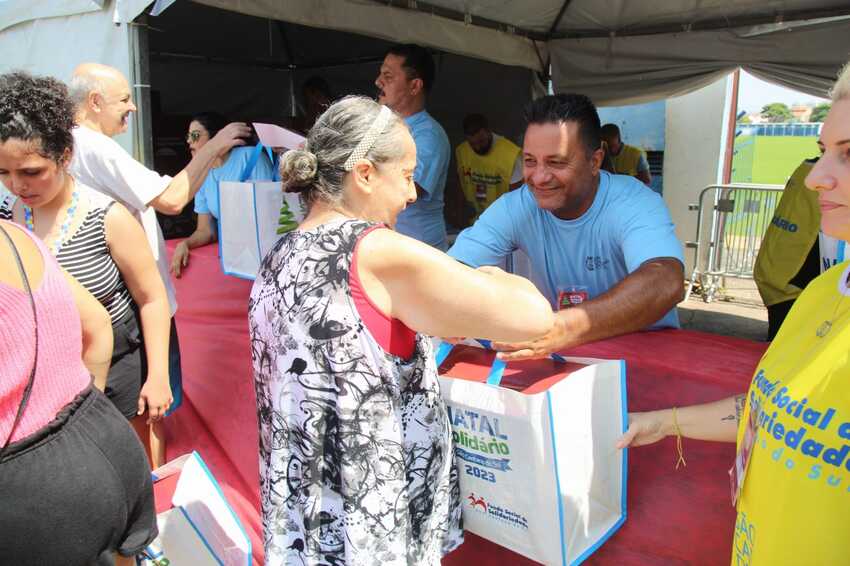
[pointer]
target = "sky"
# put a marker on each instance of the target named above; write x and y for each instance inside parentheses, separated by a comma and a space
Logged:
(754, 93)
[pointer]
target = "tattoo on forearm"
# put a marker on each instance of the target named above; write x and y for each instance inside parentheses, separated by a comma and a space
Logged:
(740, 402)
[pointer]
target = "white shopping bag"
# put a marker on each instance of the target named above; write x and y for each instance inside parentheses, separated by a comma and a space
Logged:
(179, 542)
(249, 223)
(201, 524)
(539, 472)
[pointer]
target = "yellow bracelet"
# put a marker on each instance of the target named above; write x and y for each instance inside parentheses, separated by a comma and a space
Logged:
(679, 450)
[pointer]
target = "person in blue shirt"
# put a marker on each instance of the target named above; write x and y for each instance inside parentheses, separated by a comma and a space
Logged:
(581, 226)
(227, 167)
(405, 78)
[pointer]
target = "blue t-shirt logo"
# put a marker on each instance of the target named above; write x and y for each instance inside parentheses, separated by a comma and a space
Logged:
(595, 263)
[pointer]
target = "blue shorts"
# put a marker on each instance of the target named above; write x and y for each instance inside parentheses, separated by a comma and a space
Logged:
(175, 373)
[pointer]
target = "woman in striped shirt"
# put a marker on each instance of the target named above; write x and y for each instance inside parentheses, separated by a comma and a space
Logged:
(93, 237)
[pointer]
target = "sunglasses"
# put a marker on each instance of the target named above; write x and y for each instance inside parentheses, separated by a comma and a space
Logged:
(194, 135)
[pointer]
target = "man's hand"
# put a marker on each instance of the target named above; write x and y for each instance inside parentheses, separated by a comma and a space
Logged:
(233, 134)
(180, 259)
(626, 307)
(558, 338)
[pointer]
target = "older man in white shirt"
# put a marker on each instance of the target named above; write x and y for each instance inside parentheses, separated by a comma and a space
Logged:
(103, 103)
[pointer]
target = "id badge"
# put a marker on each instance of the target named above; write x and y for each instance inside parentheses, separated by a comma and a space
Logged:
(738, 472)
(571, 295)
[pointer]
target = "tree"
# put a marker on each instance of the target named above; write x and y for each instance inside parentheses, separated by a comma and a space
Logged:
(819, 112)
(777, 112)
(745, 119)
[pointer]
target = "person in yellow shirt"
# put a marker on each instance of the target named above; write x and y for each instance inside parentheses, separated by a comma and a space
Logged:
(788, 258)
(791, 476)
(627, 159)
(488, 165)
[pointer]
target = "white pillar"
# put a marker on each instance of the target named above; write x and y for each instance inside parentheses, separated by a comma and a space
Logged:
(694, 144)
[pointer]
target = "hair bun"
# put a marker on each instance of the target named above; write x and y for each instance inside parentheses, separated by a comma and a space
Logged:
(298, 170)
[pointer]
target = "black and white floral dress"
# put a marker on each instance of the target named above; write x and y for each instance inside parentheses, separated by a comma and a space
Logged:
(356, 461)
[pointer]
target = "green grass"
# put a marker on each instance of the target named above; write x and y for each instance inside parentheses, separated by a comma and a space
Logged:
(770, 159)
(742, 161)
(761, 159)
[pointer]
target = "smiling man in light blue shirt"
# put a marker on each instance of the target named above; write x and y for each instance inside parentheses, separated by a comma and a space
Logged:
(405, 78)
(581, 227)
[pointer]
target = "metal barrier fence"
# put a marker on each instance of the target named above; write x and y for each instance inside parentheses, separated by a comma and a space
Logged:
(740, 215)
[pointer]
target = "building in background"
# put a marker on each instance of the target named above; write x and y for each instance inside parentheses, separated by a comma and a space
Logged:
(802, 112)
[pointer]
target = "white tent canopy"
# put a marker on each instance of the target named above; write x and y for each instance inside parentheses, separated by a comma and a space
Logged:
(641, 68)
(377, 19)
(616, 51)
(12, 13)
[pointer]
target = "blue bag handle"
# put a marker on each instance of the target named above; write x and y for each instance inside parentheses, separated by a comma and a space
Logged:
(497, 370)
(252, 161)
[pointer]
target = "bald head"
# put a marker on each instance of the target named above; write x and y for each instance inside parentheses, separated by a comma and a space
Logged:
(102, 97)
(92, 77)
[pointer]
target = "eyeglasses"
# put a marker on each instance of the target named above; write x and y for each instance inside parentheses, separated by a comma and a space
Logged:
(194, 135)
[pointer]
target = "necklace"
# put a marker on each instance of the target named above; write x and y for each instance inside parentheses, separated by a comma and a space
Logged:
(826, 325)
(66, 224)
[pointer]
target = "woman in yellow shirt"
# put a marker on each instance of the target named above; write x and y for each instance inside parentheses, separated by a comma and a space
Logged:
(791, 475)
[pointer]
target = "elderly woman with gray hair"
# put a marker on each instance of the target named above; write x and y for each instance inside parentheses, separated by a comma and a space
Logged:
(356, 458)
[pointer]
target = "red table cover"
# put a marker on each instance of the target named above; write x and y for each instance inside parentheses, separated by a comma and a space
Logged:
(674, 517)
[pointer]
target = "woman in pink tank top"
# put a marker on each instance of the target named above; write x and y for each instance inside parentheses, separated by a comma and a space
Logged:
(74, 480)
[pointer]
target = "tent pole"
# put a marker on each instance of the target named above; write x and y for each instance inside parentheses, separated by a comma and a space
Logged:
(721, 23)
(140, 79)
(293, 111)
(729, 153)
(557, 21)
(290, 60)
(466, 17)
(284, 40)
